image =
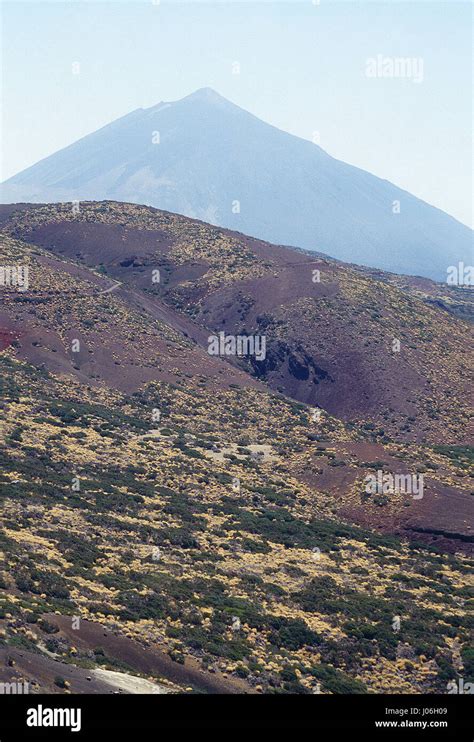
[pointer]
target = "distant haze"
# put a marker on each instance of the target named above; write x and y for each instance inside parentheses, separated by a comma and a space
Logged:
(69, 68)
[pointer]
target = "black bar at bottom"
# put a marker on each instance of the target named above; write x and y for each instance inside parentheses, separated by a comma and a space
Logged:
(402, 716)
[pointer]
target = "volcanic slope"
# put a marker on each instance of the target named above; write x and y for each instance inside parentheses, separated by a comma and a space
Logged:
(359, 346)
(170, 498)
(217, 162)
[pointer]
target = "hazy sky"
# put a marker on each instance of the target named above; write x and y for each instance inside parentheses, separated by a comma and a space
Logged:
(302, 68)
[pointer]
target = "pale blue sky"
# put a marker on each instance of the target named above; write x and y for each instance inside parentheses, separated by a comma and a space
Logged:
(302, 68)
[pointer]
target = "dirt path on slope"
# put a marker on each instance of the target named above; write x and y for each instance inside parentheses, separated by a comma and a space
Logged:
(150, 660)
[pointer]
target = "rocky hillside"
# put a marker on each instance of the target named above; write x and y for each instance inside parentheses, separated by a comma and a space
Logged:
(211, 510)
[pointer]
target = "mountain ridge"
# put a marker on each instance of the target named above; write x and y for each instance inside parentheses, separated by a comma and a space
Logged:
(214, 161)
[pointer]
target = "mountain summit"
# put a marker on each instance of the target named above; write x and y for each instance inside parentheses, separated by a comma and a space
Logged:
(205, 157)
